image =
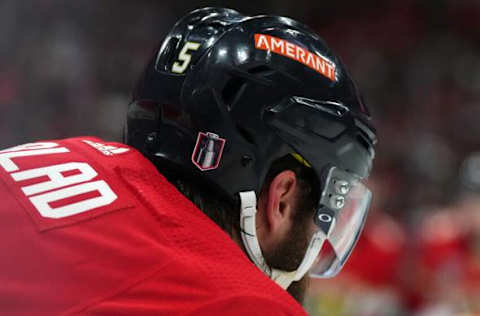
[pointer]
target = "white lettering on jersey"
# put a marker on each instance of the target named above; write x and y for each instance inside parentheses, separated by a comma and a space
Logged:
(41, 202)
(30, 146)
(58, 186)
(9, 166)
(107, 150)
(54, 173)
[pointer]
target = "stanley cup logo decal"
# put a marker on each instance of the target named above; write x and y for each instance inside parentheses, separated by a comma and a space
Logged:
(208, 151)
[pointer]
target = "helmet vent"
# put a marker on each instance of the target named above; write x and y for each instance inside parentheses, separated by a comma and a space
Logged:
(232, 91)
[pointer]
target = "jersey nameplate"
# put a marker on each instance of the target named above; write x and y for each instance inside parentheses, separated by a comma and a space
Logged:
(56, 190)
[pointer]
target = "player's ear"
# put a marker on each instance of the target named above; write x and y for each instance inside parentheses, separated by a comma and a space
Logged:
(277, 204)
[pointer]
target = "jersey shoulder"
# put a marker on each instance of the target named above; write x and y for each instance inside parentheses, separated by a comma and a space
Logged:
(207, 269)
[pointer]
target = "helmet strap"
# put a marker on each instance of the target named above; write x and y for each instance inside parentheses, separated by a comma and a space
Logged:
(248, 231)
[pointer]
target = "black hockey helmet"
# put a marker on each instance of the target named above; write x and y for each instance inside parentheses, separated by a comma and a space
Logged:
(227, 94)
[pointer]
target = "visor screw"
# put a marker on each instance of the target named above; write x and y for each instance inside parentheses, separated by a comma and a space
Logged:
(150, 141)
(151, 137)
(337, 202)
(342, 187)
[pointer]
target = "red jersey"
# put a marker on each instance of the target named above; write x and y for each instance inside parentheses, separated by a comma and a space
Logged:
(92, 228)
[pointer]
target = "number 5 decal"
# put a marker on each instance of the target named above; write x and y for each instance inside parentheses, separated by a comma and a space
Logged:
(184, 57)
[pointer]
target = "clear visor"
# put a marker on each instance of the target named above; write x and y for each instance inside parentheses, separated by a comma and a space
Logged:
(340, 218)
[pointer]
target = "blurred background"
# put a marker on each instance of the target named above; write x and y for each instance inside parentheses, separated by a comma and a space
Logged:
(67, 69)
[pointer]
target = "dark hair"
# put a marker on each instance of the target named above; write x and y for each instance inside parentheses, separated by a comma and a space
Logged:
(225, 213)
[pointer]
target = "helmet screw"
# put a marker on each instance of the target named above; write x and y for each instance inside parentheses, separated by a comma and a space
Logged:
(150, 141)
(337, 202)
(342, 187)
(151, 137)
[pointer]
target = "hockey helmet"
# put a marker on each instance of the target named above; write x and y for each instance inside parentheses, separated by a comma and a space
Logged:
(226, 95)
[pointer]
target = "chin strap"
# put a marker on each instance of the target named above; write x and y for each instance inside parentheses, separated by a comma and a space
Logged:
(248, 231)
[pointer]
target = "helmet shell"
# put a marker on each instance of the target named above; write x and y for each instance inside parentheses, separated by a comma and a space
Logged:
(259, 85)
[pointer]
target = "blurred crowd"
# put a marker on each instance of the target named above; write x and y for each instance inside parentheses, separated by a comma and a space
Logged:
(67, 69)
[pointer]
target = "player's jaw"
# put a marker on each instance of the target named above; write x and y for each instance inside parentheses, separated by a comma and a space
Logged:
(289, 253)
